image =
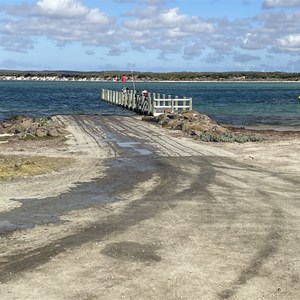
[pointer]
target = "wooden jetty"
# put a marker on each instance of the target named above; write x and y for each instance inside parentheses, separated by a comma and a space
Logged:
(152, 104)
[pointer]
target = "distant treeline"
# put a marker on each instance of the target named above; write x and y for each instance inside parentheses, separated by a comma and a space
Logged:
(153, 76)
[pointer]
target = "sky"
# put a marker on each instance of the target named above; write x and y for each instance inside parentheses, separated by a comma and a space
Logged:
(150, 35)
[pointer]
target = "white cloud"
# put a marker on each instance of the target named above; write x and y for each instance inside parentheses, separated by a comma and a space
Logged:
(257, 39)
(281, 3)
(192, 50)
(16, 43)
(147, 26)
(171, 17)
(290, 43)
(94, 16)
(167, 30)
(277, 31)
(62, 8)
(63, 21)
(214, 57)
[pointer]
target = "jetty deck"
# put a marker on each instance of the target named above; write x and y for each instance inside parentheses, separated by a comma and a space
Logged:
(152, 104)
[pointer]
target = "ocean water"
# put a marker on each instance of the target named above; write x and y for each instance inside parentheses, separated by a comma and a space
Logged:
(241, 104)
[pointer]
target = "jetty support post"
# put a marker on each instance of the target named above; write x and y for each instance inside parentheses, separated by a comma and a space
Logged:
(130, 96)
(114, 99)
(150, 105)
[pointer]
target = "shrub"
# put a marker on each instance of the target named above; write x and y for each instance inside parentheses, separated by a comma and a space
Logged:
(228, 137)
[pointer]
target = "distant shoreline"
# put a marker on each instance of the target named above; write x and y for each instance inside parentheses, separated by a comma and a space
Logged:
(64, 79)
(115, 76)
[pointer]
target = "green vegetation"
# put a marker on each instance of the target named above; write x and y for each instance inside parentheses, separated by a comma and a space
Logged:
(12, 166)
(151, 76)
(228, 137)
(223, 76)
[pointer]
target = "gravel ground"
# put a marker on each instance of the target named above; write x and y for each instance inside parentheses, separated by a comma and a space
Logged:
(146, 213)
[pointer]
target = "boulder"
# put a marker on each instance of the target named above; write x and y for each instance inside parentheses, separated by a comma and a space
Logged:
(33, 128)
(191, 122)
(196, 126)
(41, 132)
(175, 124)
(163, 119)
(220, 130)
(27, 123)
(53, 132)
(173, 116)
(21, 126)
(150, 119)
(190, 115)
(6, 124)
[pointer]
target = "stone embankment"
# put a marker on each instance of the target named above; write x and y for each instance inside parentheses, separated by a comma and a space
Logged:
(26, 127)
(201, 127)
(190, 122)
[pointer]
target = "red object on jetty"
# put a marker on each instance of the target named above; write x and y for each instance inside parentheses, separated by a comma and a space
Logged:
(123, 79)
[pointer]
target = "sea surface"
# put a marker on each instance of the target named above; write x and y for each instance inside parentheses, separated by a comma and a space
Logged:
(240, 103)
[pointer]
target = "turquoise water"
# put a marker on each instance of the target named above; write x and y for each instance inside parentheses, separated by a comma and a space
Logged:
(231, 103)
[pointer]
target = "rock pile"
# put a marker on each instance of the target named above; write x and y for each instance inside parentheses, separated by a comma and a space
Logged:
(23, 127)
(190, 122)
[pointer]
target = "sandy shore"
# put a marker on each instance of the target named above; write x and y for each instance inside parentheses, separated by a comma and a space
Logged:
(146, 213)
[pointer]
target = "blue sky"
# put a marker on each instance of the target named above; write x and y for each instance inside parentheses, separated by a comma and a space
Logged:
(150, 35)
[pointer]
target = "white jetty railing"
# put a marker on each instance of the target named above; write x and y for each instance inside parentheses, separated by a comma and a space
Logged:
(152, 104)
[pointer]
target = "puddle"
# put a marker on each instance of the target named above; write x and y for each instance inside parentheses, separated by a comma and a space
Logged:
(122, 174)
(127, 144)
(135, 146)
(143, 151)
(7, 225)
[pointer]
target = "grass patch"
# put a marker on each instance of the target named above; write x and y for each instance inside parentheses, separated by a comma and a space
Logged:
(12, 166)
(228, 137)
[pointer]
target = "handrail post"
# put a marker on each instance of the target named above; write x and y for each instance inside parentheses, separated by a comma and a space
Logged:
(170, 101)
(150, 104)
(153, 104)
(176, 104)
